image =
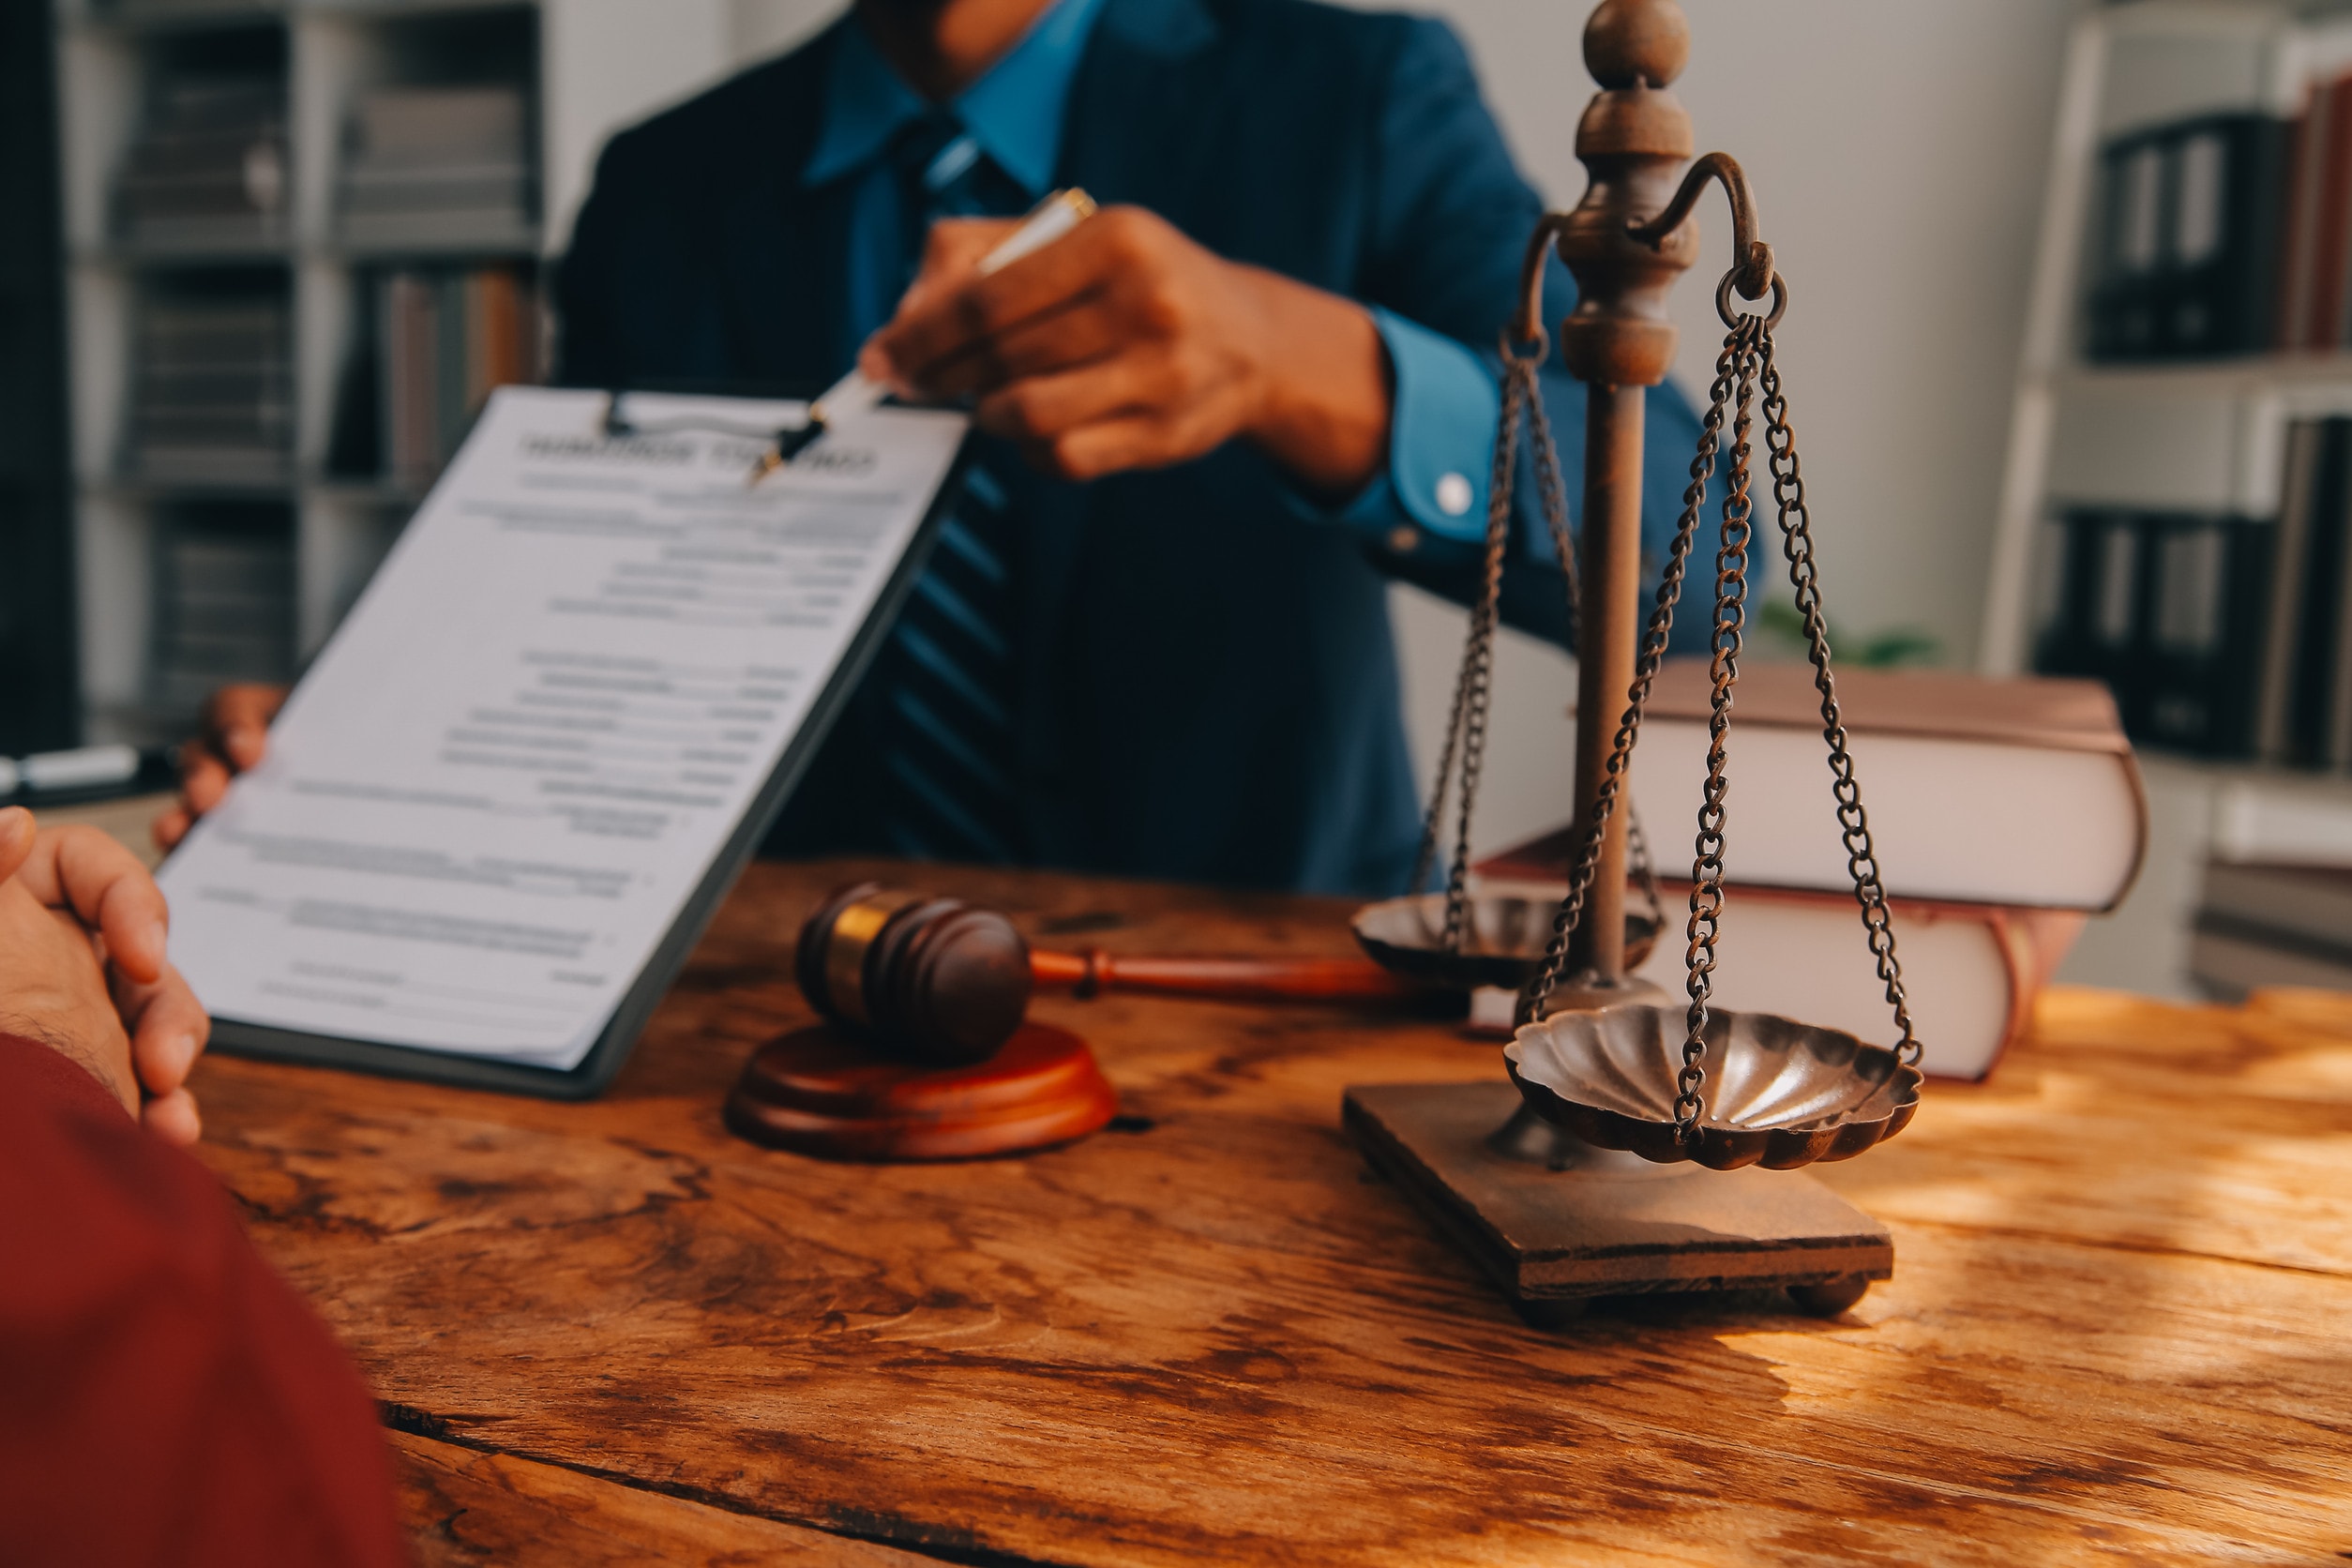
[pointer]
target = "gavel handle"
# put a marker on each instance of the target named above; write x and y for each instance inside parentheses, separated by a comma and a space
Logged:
(1093, 971)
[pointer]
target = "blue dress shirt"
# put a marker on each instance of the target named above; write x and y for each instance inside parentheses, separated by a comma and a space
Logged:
(1443, 401)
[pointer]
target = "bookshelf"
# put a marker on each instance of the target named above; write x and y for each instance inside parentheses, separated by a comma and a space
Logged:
(2206, 435)
(230, 483)
(38, 697)
(2192, 435)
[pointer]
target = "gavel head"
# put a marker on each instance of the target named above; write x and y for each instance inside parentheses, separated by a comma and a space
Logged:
(934, 977)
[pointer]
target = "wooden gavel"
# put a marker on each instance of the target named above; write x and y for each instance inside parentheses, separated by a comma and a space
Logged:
(950, 982)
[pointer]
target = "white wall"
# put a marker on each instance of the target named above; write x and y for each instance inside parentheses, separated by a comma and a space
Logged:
(608, 64)
(612, 63)
(765, 27)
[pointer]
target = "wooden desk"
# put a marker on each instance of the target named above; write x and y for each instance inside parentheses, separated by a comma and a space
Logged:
(2120, 1325)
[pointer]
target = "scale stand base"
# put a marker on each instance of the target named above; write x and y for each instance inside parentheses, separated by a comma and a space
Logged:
(1555, 1222)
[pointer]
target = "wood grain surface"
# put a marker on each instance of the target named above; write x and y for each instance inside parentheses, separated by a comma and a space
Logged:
(2118, 1328)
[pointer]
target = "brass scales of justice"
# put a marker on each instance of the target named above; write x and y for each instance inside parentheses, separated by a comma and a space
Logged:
(1639, 1147)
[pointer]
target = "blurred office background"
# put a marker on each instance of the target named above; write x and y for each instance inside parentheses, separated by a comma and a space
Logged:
(264, 257)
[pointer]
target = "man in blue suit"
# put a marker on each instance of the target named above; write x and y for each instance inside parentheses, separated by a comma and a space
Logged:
(1153, 641)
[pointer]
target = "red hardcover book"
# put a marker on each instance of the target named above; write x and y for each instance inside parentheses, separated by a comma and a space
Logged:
(2295, 259)
(2331, 248)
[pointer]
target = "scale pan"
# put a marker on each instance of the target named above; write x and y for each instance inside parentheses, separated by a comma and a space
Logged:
(1779, 1093)
(1504, 938)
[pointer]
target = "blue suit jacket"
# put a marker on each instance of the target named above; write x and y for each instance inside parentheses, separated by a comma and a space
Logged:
(1209, 688)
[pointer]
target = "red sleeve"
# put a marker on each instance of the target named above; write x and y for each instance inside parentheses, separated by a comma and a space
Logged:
(165, 1397)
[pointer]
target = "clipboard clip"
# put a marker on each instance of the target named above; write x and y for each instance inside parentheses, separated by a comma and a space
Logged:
(778, 446)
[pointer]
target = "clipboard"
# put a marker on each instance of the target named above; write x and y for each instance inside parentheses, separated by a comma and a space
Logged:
(604, 1058)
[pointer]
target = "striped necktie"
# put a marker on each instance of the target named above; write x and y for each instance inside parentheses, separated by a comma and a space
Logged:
(946, 730)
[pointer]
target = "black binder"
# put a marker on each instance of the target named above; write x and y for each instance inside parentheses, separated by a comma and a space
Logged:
(2186, 254)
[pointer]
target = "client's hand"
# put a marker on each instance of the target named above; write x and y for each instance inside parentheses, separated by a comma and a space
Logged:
(1124, 345)
(82, 968)
(236, 737)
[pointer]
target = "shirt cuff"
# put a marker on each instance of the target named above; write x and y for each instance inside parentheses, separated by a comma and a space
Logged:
(1443, 412)
(33, 1072)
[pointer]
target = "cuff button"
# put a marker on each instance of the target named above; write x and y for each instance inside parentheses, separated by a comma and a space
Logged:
(1454, 495)
(1404, 541)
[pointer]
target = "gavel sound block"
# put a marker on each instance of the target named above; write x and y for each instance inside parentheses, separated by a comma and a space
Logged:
(926, 1052)
(827, 1092)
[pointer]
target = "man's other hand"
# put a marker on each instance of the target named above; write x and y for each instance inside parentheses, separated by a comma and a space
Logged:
(234, 737)
(83, 931)
(1125, 346)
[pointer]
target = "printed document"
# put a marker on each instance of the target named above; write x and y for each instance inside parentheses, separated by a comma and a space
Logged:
(502, 780)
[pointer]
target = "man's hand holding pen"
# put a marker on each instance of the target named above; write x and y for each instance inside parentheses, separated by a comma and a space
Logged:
(1125, 346)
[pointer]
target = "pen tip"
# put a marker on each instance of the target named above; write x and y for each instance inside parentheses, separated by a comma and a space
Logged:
(792, 443)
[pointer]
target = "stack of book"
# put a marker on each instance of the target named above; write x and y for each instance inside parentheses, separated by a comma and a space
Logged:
(445, 338)
(212, 395)
(434, 167)
(208, 171)
(224, 604)
(2173, 611)
(2270, 925)
(2004, 812)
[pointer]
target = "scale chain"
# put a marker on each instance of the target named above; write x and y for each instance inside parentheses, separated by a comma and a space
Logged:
(1466, 726)
(1862, 858)
(1470, 696)
(1731, 572)
(1747, 367)
(1551, 490)
(1644, 874)
(1426, 855)
(1651, 654)
(1432, 826)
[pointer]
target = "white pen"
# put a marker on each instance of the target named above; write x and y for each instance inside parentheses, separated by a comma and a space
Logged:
(82, 769)
(856, 393)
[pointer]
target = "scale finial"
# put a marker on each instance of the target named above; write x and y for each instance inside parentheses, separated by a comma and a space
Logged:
(1631, 42)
